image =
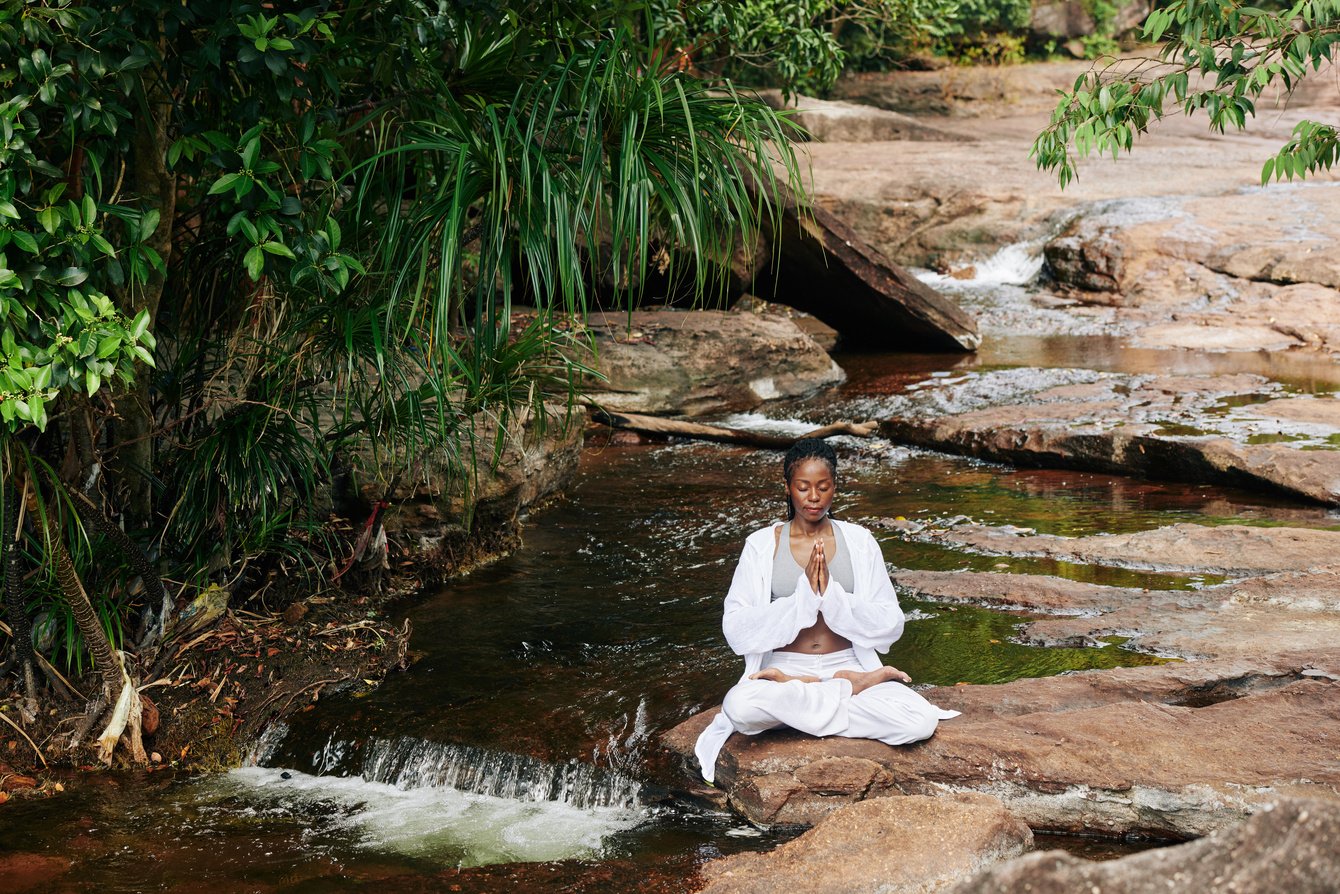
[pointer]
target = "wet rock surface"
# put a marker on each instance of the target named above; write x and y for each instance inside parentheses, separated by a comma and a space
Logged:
(1288, 846)
(1203, 429)
(885, 845)
(697, 362)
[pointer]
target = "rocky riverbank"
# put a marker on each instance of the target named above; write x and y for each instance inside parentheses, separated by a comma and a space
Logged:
(1204, 260)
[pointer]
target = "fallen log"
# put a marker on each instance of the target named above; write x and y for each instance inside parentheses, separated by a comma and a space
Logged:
(660, 426)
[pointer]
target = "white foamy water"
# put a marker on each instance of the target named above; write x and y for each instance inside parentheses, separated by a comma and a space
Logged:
(1014, 265)
(432, 822)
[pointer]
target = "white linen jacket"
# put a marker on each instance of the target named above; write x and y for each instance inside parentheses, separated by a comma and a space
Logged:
(755, 623)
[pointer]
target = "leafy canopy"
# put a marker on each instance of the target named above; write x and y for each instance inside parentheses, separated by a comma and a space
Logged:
(1219, 57)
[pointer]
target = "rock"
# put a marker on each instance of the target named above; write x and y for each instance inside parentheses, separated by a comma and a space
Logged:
(698, 362)
(1252, 618)
(1235, 550)
(1289, 845)
(828, 121)
(148, 716)
(428, 506)
(295, 613)
(1119, 768)
(204, 610)
(1073, 18)
(1246, 271)
(1179, 428)
(885, 845)
(825, 269)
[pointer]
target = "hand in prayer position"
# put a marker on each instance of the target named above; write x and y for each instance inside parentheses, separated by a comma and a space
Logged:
(817, 569)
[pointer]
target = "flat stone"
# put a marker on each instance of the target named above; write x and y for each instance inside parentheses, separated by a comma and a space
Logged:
(1127, 767)
(1289, 845)
(881, 846)
(698, 362)
(1180, 428)
(1252, 618)
(1236, 550)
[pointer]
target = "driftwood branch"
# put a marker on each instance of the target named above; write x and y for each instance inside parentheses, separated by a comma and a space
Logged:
(656, 425)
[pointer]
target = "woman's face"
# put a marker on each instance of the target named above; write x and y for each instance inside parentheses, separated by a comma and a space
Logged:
(811, 489)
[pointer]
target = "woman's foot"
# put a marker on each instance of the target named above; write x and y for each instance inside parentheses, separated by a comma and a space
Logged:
(776, 676)
(863, 680)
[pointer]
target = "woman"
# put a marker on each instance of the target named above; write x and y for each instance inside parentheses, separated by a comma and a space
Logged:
(809, 607)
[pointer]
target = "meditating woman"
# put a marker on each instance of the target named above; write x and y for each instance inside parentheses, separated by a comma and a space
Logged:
(809, 607)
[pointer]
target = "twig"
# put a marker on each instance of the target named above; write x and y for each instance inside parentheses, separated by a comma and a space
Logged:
(40, 755)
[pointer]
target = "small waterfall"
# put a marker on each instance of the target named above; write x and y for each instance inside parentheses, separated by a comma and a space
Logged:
(409, 763)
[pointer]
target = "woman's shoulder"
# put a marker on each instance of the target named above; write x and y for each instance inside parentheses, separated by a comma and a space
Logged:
(852, 530)
(763, 537)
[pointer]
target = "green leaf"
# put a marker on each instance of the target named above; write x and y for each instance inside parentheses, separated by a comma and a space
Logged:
(108, 346)
(71, 276)
(140, 325)
(148, 224)
(224, 183)
(143, 354)
(92, 382)
(278, 248)
(24, 241)
(48, 217)
(7, 209)
(254, 260)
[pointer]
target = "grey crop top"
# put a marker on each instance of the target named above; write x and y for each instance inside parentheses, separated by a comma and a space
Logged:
(786, 570)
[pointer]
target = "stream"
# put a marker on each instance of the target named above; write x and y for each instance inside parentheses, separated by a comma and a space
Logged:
(525, 733)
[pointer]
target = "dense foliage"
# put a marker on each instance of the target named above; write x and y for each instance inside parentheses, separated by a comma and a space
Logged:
(1218, 57)
(252, 254)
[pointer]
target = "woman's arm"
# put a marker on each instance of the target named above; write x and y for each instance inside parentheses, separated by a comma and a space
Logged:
(872, 619)
(753, 621)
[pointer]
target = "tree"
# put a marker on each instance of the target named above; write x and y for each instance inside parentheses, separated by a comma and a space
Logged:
(1219, 56)
(242, 246)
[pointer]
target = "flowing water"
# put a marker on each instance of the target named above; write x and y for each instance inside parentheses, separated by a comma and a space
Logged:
(525, 733)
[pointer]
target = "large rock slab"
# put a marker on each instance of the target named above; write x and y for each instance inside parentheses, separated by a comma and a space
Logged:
(1289, 846)
(698, 362)
(1248, 271)
(1235, 550)
(1252, 618)
(1199, 429)
(1127, 767)
(912, 845)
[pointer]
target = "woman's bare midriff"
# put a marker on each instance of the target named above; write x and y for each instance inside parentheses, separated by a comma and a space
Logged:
(817, 640)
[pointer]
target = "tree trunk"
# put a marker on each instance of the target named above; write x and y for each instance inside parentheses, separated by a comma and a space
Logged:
(157, 188)
(19, 623)
(85, 618)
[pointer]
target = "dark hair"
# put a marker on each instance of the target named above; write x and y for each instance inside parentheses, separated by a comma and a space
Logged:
(807, 448)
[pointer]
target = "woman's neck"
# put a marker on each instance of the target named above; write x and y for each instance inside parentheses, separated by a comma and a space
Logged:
(807, 528)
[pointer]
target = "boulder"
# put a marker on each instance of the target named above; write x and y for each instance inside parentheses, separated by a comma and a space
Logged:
(834, 121)
(881, 846)
(1249, 271)
(1067, 19)
(1120, 768)
(697, 362)
(1289, 845)
(1198, 429)
(825, 269)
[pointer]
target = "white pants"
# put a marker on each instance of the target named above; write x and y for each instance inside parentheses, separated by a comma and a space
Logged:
(888, 712)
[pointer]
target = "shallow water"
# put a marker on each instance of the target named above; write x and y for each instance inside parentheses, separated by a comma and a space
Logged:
(526, 729)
